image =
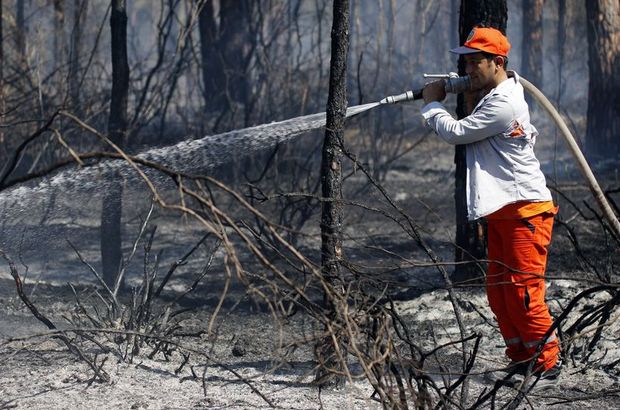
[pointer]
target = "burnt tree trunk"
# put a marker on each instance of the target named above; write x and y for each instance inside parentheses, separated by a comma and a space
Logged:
(454, 35)
(111, 254)
(234, 39)
(223, 52)
(470, 236)
(2, 105)
(603, 129)
(212, 65)
(532, 49)
(331, 185)
(73, 79)
(561, 40)
(20, 34)
(59, 33)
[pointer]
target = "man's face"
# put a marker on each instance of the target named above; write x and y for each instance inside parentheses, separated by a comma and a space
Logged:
(481, 71)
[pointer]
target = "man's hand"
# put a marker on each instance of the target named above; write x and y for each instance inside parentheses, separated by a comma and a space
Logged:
(435, 91)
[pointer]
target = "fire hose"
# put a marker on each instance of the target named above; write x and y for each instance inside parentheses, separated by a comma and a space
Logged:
(455, 84)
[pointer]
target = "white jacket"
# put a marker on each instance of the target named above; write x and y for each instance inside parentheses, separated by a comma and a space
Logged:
(501, 165)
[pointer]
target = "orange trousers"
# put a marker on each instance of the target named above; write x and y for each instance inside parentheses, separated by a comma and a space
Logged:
(516, 286)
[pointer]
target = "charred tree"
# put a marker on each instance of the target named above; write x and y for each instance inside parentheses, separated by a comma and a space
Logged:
(234, 39)
(532, 49)
(73, 80)
(212, 65)
(59, 32)
(603, 129)
(454, 35)
(331, 185)
(561, 40)
(20, 34)
(2, 106)
(111, 239)
(470, 236)
(224, 52)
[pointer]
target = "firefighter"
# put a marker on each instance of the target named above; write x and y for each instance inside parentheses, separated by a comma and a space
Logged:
(506, 187)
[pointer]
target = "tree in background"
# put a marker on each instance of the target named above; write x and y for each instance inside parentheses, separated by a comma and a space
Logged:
(2, 105)
(331, 182)
(212, 66)
(561, 39)
(224, 52)
(470, 236)
(603, 129)
(21, 32)
(532, 44)
(75, 49)
(59, 32)
(111, 238)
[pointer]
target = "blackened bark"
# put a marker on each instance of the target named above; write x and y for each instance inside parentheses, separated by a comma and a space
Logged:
(2, 105)
(331, 185)
(59, 33)
(1, 44)
(561, 39)
(73, 79)
(224, 52)
(603, 129)
(111, 240)
(470, 236)
(234, 40)
(212, 64)
(454, 35)
(532, 49)
(20, 35)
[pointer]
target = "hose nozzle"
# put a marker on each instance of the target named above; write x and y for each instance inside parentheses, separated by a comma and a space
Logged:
(454, 85)
(406, 96)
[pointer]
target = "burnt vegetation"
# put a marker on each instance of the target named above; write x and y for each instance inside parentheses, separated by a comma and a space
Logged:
(335, 239)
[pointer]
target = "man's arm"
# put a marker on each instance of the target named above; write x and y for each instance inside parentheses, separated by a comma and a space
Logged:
(492, 118)
(436, 91)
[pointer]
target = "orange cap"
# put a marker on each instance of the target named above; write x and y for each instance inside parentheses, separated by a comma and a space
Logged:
(485, 39)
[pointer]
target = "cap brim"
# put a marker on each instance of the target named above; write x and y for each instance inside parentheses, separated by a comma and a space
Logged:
(465, 50)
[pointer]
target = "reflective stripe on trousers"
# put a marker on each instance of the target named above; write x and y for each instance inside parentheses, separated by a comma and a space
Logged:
(529, 345)
(517, 340)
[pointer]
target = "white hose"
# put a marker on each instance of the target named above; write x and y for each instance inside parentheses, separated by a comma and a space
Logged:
(608, 213)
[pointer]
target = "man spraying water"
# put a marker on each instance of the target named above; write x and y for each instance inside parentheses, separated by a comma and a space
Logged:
(506, 186)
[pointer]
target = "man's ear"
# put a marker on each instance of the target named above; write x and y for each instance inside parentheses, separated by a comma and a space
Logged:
(499, 61)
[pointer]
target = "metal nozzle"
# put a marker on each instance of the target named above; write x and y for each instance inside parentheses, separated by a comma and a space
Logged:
(451, 74)
(454, 84)
(436, 75)
(393, 99)
(406, 96)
